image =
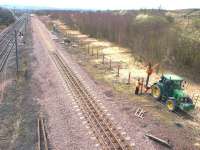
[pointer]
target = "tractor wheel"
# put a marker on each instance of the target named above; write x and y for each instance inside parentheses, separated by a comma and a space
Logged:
(156, 92)
(171, 105)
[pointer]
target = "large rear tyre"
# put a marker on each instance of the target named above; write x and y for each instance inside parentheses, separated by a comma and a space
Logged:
(171, 105)
(156, 92)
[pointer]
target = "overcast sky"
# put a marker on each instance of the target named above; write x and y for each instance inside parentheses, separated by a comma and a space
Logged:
(106, 4)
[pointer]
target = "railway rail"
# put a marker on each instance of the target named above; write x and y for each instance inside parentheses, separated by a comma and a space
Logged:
(6, 33)
(7, 43)
(108, 136)
(42, 143)
(7, 40)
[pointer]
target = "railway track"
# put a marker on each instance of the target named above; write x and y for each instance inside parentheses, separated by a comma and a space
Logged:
(42, 143)
(108, 136)
(7, 41)
(6, 33)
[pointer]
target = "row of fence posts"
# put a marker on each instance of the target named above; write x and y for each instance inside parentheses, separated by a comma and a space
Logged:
(140, 81)
(90, 51)
(109, 62)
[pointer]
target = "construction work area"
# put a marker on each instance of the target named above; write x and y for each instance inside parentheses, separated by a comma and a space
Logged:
(69, 83)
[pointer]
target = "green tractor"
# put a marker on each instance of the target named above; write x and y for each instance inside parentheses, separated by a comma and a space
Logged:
(170, 91)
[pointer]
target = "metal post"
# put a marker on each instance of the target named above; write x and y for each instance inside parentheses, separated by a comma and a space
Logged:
(16, 47)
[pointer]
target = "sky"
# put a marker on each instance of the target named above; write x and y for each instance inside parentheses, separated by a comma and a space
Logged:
(105, 4)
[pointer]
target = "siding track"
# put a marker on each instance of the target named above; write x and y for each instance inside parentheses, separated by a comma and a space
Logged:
(108, 136)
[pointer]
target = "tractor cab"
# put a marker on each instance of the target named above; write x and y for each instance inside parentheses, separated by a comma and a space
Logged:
(170, 90)
(171, 83)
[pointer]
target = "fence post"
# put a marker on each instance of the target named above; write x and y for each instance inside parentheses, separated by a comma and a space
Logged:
(142, 84)
(88, 49)
(149, 72)
(118, 70)
(92, 51)
(110, 62)
(103, 58)
(129, 78)
(97, 53)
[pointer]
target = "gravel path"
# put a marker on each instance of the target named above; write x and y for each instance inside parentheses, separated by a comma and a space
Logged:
(65, 128)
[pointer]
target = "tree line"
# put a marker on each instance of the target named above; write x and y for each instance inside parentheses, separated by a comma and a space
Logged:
(151, 34)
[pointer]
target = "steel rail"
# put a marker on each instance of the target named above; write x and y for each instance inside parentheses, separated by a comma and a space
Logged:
(93, 107)
(9, 35)
(5, 34)
(4, 54)
(5, 46)
(41, 135)
(95, 130)
(4, 60)
(96, 116)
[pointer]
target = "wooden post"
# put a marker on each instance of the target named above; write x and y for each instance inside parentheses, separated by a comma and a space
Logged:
(137, 88)
(165, 143)
(97, 53)
(149, 72)
(118, 70)
(129, 78)
(110, 62)
(88, 49)
(103, 58)
(142, 84)
(92, 51)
